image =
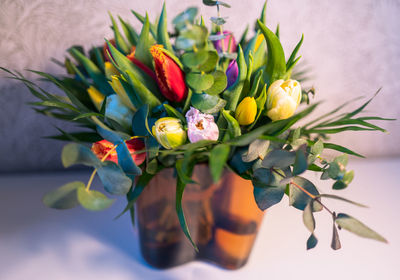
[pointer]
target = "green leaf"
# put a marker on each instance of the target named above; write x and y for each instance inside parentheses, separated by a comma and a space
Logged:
(317, 148)
(153, 28)
(89, 137)
(142, 52)
(335, 244)
(199, 82)
(342, 199)
(312, 242)
(130, 33)
(172, 112)
(257, 149)
(276, 66)
(195, 36)
(119, 39)
(279, 159)
(123, 64)
(55, 104)
(308, 217)
(341, 149)
(208, 104)
(298, 198)
(348, 177)
(93, 71)
(272, 128)
(78, 154)
(93, 200)
(220, 83)
(339, 185)
(194, 59)
(267, 188)
(64, 197)
(211, 62)
(187, 16)
(144, 93)
(334, 170)
(233, 93)
(300, 164)
(118, 112)
(162, 30)
(294, 53)
(114, 179)
(218, 20)
(355, 226)
(180, 187)
(218, 157)
(342, 159)
(233, 125)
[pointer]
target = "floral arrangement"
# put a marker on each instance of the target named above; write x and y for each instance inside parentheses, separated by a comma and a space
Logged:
(157, 99)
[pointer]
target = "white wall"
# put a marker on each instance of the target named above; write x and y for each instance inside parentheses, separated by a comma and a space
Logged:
(352, 47)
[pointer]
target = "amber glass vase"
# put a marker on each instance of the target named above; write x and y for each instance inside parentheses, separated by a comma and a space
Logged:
(223, 220)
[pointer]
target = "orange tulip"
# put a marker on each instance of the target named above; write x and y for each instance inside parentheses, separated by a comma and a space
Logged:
(170, 77)
(101, 148)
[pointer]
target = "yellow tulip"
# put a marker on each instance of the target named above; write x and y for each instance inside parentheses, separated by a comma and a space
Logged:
(246, 111)
(283, 98)
(96, 96)
(169, 132)
(110, 70)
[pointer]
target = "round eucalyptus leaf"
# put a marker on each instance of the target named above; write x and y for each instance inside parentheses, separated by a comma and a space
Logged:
(64, 197)
(199, 82)
(210, 63)
(195, 35)
(220, 83)
(194, 59)
(208, 104)
(93, 200)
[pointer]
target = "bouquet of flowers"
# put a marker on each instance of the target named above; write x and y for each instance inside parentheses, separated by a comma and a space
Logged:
(156, 99)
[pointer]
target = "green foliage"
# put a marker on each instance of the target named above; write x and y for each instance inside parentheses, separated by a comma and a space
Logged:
(93, 200)
(355, 226)
(218, 157)
(64, 197)
(78, 154)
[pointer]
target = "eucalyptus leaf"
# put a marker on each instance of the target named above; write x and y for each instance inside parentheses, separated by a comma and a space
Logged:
(308, 217)
(64, 197)
(117, 111)
(312, 242)
(93, 200)
(220, 83)
(355, 226)
(74, 153)
(199, 82)
(300, 164)
(298, 198)
(279, 159)
(335, 244)
(114, 179)
(257, 149)
(208, 104)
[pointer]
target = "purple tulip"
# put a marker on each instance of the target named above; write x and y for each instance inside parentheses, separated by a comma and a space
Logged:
(232, 73)
(218, 44)
(201, 126)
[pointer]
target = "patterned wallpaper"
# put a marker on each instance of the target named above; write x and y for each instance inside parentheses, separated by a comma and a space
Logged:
(352, 47)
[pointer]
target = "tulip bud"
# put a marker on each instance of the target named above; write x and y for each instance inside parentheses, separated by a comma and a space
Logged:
(224, 47)
(232, 73)
(96, 96)
(169, 132)
(170, 77)
(110, 70)
(283, 97)
(246, 111)
(201, 126)
(103, 147)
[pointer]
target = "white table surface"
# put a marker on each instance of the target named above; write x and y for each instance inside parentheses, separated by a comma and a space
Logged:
(41, 243)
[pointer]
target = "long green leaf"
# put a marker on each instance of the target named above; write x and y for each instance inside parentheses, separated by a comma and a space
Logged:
(142, 52)
(119, 39)
(162, 30)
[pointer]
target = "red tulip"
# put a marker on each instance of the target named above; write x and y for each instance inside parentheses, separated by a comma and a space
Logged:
(170, 77)
(101, 148)
(140, 64)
